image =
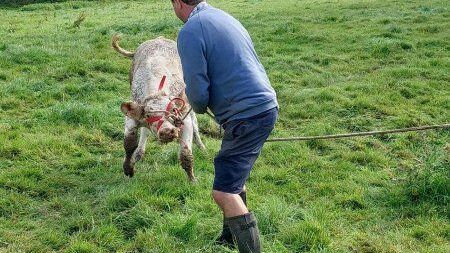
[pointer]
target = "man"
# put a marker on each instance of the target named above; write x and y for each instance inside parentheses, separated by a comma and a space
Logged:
(223, 73)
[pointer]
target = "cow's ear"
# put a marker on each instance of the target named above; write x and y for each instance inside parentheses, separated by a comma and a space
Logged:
(132, 110)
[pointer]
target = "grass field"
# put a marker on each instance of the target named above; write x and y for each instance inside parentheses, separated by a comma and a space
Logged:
(337, 65)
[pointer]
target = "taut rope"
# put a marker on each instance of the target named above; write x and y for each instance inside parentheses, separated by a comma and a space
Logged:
(350, 135)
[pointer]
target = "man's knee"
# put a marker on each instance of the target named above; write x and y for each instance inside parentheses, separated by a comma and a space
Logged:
(222, 198)
(219, 197)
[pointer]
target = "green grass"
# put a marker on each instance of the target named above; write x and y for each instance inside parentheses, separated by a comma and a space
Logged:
(337, 66)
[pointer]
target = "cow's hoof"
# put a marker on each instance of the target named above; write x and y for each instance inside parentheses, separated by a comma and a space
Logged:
(129, 174)
(193, 180)
(139, 155)
(128, 170)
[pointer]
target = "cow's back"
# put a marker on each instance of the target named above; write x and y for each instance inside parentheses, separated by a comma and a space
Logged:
(153, 60)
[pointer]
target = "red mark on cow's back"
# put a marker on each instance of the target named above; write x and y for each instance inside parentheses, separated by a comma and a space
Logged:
(161, 84)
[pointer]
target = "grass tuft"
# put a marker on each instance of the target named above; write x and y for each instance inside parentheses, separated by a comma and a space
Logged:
(305, 236)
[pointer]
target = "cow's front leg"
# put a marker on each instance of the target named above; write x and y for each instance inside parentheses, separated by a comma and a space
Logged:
(140, 150)
(130, 144)
(185, 155)
(196, 131)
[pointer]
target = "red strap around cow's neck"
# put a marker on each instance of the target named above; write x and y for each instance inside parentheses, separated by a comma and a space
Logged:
(161, 84)
(151, 120)
(159, 119)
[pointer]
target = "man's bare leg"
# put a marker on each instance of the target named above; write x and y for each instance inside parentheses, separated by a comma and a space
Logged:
(239, 221)
(231, 204)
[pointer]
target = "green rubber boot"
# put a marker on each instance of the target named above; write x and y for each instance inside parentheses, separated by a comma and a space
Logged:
(245, 233)
(226, 238)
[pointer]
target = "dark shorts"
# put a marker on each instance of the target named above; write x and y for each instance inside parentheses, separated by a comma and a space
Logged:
(241, 146)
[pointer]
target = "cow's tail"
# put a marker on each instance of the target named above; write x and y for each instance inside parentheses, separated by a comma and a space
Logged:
(115, 44)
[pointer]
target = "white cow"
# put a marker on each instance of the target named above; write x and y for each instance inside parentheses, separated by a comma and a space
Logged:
(159, 104)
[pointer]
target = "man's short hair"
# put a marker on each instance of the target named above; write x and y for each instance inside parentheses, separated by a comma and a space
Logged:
(192, 2)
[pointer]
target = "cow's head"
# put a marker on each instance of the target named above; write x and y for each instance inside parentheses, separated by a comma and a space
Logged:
(159, 113)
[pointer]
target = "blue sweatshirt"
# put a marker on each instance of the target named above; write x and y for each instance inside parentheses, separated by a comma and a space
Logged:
(221, 68)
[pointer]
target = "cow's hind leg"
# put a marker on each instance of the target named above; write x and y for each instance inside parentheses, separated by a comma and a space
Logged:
(185, 154)
(130, 144)
(196, 131)
(140, 150)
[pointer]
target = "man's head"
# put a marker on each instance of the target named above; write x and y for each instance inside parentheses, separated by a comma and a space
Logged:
(183, 8)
